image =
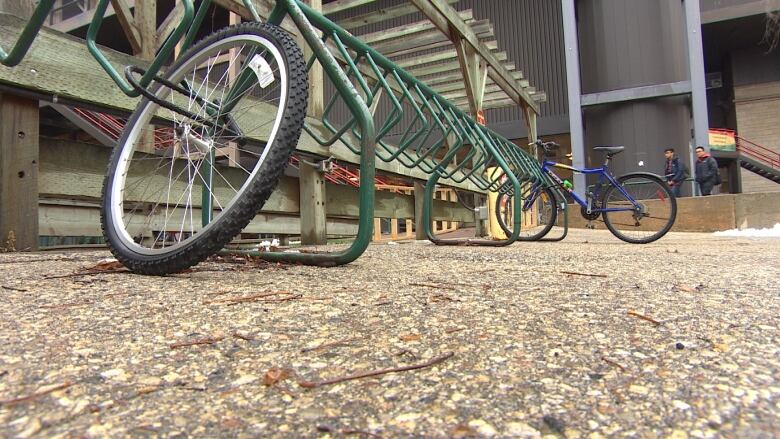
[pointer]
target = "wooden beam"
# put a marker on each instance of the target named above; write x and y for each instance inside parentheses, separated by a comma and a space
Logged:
(407, 29)
(19, 8)
(419, 202)
(146, 21)
(263, 8)
(432, 57)
(380, 15)
(128, 24)
(422, 71)
(170, 23)
(447, 20)
(491, 86)
(343, 5)
(442, 42)
(389, 48)
(312, 205)
(19, 156)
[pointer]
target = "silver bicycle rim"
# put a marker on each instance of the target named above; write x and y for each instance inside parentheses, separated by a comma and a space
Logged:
(125, 161)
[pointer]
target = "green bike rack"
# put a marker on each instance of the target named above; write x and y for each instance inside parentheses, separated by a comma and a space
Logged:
(436, 137)
(560, 203)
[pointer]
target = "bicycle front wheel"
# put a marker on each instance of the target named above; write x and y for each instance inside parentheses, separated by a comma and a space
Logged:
(196, 163)
(648, 217)
(537, 217)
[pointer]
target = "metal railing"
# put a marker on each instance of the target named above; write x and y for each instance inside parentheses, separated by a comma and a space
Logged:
(759, 153)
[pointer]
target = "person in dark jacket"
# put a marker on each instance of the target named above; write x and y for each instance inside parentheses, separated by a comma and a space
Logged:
(706, 171)
(674, 171)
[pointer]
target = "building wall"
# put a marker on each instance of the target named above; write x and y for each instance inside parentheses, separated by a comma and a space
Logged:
(632, 43)
(757, 106)
(758, 120)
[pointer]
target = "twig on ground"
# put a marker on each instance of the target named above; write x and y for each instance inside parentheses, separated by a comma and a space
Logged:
(612, 363)
(200, 341)
(14, 401)
(421, 284)
(383, 303)
(433, 361)
(243, 299)
(643, 317)
(21, 290)
(242, 336)
(453, 330)
(405, 352)
(575, 273)
(343, 342)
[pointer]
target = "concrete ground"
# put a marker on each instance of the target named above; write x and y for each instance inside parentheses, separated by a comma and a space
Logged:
(589, 337)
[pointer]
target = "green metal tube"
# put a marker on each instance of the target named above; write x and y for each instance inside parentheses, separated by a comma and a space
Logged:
(154, 68)
(367, 160)
(22, 46)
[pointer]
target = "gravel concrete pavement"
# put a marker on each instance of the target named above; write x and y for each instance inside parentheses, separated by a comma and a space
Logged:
(590, 337)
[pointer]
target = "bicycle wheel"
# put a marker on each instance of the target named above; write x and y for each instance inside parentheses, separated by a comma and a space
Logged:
(244, 95)
(539, 217)
(654, 216)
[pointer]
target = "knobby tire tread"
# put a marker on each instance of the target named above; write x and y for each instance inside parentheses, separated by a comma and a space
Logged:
(651, 238)
(255, 196)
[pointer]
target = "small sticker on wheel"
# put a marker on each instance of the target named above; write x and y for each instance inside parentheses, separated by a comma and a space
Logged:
(265, 75)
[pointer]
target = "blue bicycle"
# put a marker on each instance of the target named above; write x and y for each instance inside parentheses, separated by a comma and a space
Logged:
(638, 207)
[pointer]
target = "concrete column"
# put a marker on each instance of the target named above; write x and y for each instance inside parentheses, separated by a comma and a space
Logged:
(571, 45)
(701, 124)
(312, 199)
(19, 155)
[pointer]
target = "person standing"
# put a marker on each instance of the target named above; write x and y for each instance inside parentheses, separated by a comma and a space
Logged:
(706, 171)
(674, 172)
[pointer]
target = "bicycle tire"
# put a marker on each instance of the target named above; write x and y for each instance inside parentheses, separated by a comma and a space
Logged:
(642, 187)
(279, 68)
(548, 212)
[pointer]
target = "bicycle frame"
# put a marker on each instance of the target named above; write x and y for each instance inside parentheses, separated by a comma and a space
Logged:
(604, 176)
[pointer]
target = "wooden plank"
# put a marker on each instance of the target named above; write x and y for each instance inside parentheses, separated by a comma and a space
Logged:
(419, 202)
(263, 8)
(453, 86)
(19, 8)
(389, 48)
(429, 58)
(19, 155)
(316, 78)
(126, 20)
(343, 5)
(444, 68)
(146, 21)
(61, 218)
(407, 29)
(170, 23)
(447, 20)
(312, 205)
(380, 15)
(485, 34)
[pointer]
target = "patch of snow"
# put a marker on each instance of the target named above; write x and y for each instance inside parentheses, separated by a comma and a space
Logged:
(774, 232)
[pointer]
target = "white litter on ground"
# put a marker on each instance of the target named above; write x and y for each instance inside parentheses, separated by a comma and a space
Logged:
(774, 232)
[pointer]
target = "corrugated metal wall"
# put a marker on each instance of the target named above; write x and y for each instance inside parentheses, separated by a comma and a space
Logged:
(631, 43)
(531, 32)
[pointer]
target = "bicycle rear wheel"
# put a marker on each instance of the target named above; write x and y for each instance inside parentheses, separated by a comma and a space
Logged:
(537, 219)
(653, 216)
(241, 96)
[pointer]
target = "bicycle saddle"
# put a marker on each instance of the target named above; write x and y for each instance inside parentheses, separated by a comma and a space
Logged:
(610, 150)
